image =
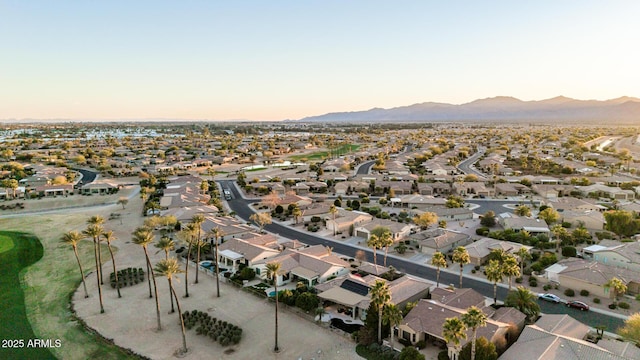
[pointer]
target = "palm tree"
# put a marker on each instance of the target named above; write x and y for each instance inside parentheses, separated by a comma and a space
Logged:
(333, 210)
(94, 232)
(494, 274)
(197, 221)
(439, 261)
(169, 268)
(558, 233)
(461, 256)
(217, 233)
(473, 319)
(109, 237)
(273, 270)
(523, 210)
(144, 237)
(453, 331)
(393, 316)
(98, 220)
(524, 300)
(166, 244)
(386, 240)
(523, 254)
(374, 242)
(617, 286)
(380, 297)
(510, 268)
(296, 212)
(73, 238)
(187, 234)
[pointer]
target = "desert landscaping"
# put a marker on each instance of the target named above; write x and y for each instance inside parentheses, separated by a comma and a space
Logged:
(131, 320)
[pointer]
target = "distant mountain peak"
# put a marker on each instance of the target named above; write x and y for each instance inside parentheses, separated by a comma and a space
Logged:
(560, 109)
(497, 100)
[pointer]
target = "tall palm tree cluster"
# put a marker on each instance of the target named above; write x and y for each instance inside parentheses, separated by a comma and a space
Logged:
(167, 267)
(454, 329)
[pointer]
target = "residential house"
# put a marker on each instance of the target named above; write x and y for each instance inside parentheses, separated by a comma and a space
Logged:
(313, 265)
(604, 191)
(448, 214)
(551, 191)
(398, 230)
(623, 255)
(99, 188)
(420, 201)
(247, 251)
(581, 274)
(511, 189)
(533, 226)
(425, 322)
(472, 188)
(479, 250)
(185, 214)
(352, 293)
(560, 337)
(349, 187)
(432, 240)
(345, 220)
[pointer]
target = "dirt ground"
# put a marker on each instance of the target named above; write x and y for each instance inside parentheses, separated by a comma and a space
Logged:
(131, 320)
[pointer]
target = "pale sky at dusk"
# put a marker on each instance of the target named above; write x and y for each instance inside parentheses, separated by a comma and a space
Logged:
(274, 60)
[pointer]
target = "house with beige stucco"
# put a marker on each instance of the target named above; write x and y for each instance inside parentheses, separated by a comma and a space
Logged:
(425, 321)
(582, 274)
(312, 265)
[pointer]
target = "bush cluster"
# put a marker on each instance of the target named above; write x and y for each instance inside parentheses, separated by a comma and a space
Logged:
(127, 277)
(596, 300)
(221, 331)
(584, 292)
(570, 293)
(623, 305)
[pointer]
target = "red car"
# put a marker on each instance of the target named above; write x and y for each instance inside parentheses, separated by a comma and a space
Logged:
(578, 305)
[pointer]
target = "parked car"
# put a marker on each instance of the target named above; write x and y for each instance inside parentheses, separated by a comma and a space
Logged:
(549, 297)
(578, 305)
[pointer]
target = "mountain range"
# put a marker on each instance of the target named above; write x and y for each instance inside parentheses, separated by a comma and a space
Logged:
(623, 110)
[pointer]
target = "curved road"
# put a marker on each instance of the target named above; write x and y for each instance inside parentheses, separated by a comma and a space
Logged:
(465, 165)
(241, 208)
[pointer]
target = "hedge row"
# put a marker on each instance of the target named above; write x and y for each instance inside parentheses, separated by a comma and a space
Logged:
(127, 277)
(221, 331)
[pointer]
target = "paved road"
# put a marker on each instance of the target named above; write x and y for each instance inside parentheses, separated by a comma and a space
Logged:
(87, 175)
(465, 165)
(240, 206)
(497, 206)
(365, 167)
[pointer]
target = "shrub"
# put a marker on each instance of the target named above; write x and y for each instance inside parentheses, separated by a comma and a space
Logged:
(421, 344)
(519, 280)
(569, 251)
(533, 282)
(307, 301)
(584, 292)
(546, 287)
(570, 293)
(623, 305)
(612, 306)
(638, 297)
(443, 355)
(482, 231)
(596, 300)
(477, 267)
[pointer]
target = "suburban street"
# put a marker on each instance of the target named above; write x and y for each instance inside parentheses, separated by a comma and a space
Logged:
(449, 276)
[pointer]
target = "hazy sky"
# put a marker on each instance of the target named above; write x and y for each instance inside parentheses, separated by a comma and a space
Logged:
(273, 60)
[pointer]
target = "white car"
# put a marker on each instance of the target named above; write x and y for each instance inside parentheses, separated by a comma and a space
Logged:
(549, 297)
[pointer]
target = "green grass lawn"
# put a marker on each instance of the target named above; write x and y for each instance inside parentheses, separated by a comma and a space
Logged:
(320, 155)
(17, 251)
(35, 300)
